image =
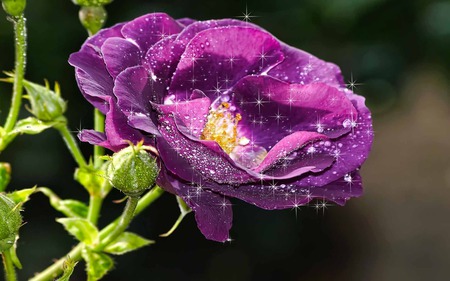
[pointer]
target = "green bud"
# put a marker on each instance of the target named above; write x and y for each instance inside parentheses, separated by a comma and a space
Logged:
(10, 222)
(91, 3)
(14, 7)
(5, 175)
(132, 170)
(46, 105)
(92, 18)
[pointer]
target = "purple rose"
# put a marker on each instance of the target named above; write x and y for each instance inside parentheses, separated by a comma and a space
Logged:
(233, 112)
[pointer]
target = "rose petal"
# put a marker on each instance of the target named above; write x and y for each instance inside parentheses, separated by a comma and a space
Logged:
(293, 163)
(92, 76)
(205, 157)
(149, 29)
(119, 54)
(95, 138)
(272, 109)
(303, 68)
(287, 194)
(349, 151)
(192, 113)
(186, 21)
(118, 132)
(216, 58)
(213, 212)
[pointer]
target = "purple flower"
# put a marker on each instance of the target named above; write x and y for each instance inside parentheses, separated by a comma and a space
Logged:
(233, 112)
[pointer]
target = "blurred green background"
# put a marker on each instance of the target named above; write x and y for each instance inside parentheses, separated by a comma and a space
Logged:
(399, 230)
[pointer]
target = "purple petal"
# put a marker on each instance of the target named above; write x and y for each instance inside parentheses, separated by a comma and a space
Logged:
(213, 212)
(95, 138)
(350, 151)
(303, 68)
(192, 113)
(297, 163)
(186, 21)
(149, 29)
(135, 90)
(119, 54)
(205, 157)
(92, 76)
(96, 93)
(286, 194)
(272, 109)
(216, 58)
(162, 59)
(118, 132)
(193, 29)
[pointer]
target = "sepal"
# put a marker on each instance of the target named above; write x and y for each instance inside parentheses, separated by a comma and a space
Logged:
(82, 229)
(127, 242)
(97, 264)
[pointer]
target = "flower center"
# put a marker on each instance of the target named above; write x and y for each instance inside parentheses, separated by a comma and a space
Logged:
(222, 127)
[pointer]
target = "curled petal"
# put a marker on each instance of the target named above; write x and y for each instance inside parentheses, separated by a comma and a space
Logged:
(119, 54)
(217, 58)
(149, 29)
(303, 68)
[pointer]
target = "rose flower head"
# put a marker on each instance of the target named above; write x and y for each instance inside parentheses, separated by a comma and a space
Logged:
(232, 111)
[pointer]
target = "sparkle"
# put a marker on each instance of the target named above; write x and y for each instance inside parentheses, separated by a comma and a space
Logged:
(352, 83)
(278, 116)
(319, 126)
(262, 55)
(246, 16)
(217, 89)
(273, 186)
(296, 206)
(321, 205)
(224, 204)
(336, 154)
(259, 102)
(231, 60)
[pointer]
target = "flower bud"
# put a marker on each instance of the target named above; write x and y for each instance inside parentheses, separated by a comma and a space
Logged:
(5, 175)
(92, 18)
(14, 7)
(46, 105)
(91, 3)
(10, 222)
(132, 170)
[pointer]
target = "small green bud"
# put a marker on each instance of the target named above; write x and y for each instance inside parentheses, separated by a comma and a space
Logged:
(46, 105)
(92, 18)
(132, 170)
(5, 175)
(91, 3)
(10, 222)
(14, 7)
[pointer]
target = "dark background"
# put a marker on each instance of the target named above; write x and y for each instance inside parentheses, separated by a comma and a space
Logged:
(399, 230)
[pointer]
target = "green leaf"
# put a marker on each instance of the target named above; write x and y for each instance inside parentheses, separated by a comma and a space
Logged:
(71, 208)
(68, 266)
(21, 196)
(33, 126)
(82, 229)
(97, 264)
(91, 178)
(127, 242)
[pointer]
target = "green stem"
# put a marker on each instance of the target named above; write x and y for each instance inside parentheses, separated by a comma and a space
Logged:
(10, 272)
(95, 205)
(99, 126)
(124, 221)
(20, 36)
(72, 145)
(75, 254)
